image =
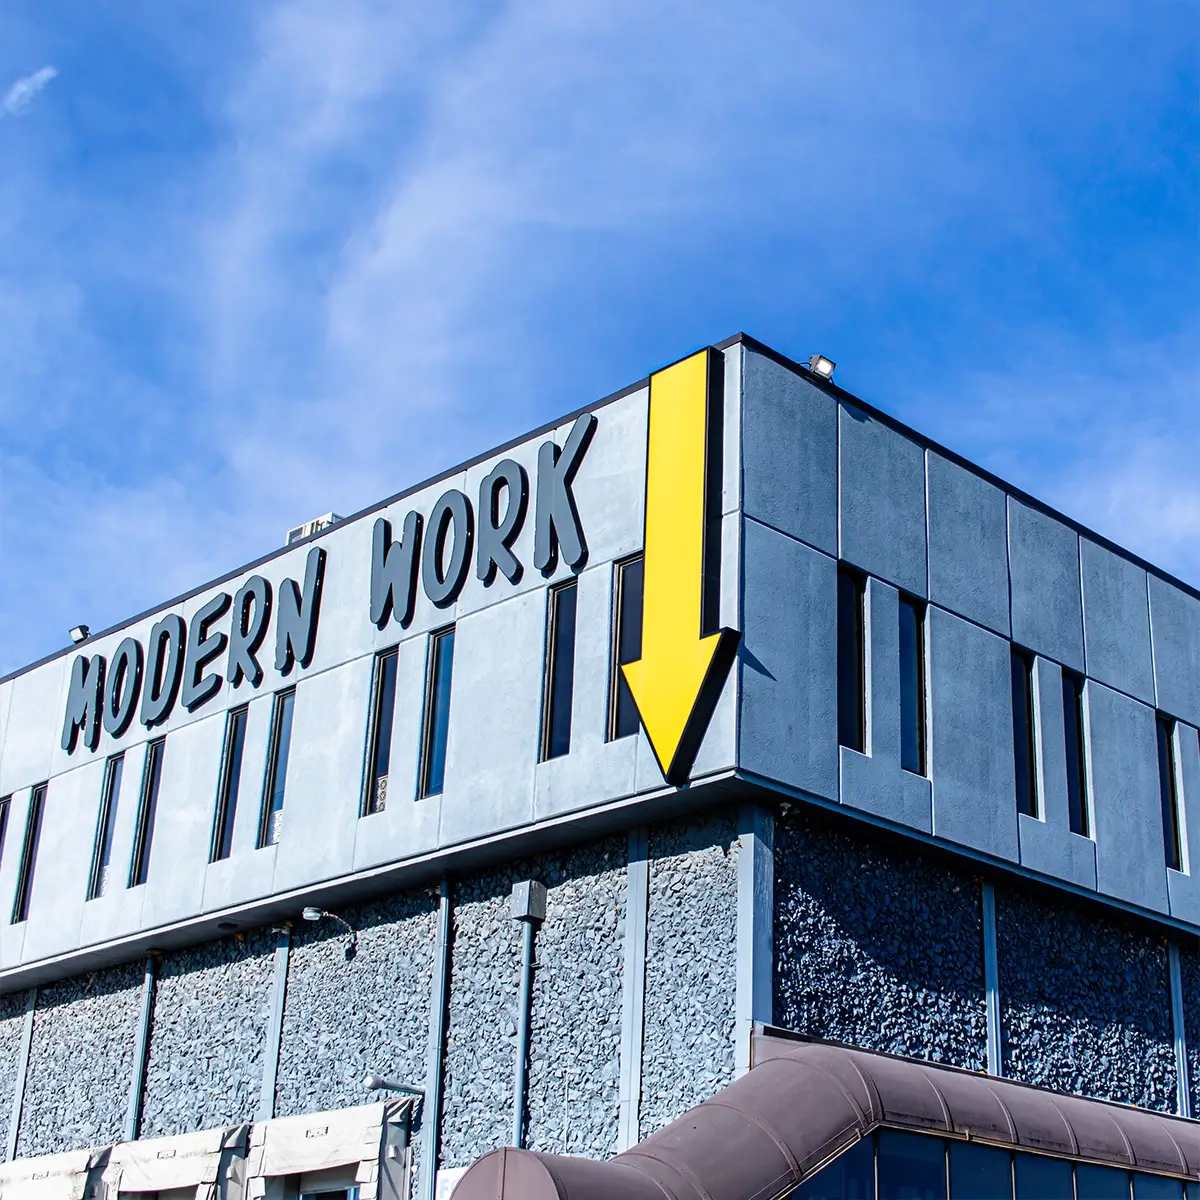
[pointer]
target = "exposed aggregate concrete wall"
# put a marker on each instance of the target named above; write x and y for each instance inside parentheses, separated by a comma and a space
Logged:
(691, 966)
(12, 1023)
(345, 1016)
(81, 1061)
(876, 947)
(575, 1036)
(211, 1009)
(482, 1019)
(1085, 1003)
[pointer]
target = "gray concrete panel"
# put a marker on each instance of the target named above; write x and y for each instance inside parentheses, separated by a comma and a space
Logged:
(83, 1031)
(732, 460)
(1175, 637)
(875, 946)
(324, 777)
(12, 937)
(1085, 1006)
(495, 715)
(183, 825)
(384, 983)
(971, 746)
(691, 966)
(875, 782)
(1116, 622)
(1047, 843)
(34, 726)
(205, 1060)
(881, 519)
(789, 448)
(1044, 574)
(787, 663)
(968, 544)
(1130, 861)
(575, 1027)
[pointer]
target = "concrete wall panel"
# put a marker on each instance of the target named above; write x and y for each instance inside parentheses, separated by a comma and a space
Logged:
(1044, 571)
(1116, 621)
(1175, 626)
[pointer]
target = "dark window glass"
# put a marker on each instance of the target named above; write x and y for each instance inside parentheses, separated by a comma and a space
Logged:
(981, 1172)
(147, 811)
(623, 713)
(912, 685)
(1039, 1178)
(29, 850)
(437, 713)
(1100, 1183)
(1024, 755)
(379, 750)
(1168, 793)
(271, 824)
(559, 686)
(851, 661)
(1073, 728)
(912, 1166)
(229, 784)
(110, 793)
(5, 806)
(1156, 1187)
(851, 1176)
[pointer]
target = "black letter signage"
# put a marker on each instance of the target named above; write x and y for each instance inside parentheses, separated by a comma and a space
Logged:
(496, 535)
(122, 687)
(296, 624)
(450, 522)
(394, 570)
(556, 521)
(201, 650)
(251, 612)
(164, 668)
(83, 703)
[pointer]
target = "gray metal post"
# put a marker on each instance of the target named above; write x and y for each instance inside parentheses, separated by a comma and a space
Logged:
(14, 1124)
(1183, 1100)
(283, 954)
(431, 1109)
(141, 1053)
(991, 982)
(528, 907)
(755, 917)
(633, 988)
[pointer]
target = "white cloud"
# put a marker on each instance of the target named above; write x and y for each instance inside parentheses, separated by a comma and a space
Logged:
(22, 93)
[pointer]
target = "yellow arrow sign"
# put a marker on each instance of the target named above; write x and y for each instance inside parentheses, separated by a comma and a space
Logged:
(683, 665)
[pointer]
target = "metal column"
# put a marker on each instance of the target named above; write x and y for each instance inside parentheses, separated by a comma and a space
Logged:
(431, 1109)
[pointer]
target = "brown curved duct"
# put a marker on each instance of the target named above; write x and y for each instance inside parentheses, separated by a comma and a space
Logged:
(804, 1102)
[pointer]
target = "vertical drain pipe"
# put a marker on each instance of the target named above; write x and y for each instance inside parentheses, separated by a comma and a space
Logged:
(528, 905)
(991, 983)
(431, 1108)
(141, 1052)
(1183, 1101)
(14, 1124)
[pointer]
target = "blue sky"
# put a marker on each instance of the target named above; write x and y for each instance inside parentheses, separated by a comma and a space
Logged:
(258, 261)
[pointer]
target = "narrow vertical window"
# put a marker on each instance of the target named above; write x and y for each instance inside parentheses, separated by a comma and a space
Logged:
(147, 812)
(1024, 753)
(627, 646)
(5, 805)
(558, 687)
(436, 725)
(379, 738)
(29, 851)
(270, 824)
(1168, 792)
(851, 660)
(912, 685)
(1073, 731)
(101, 874)
(229, 783)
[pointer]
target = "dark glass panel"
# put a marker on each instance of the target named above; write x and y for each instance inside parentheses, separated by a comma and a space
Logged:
(1073, 729)
(1167, 792)
(437, 722)
(980, 1172)
(911, 1166)
(1156, 1187)
(630, 580)
(1040, 1178)
(1022, 716)
(851, 680)
(560, 674)
(851, 1176)
(229, 784)
(912, 685)
(1100, 1183)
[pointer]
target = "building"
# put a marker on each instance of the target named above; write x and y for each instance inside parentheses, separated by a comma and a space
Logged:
(727, 737)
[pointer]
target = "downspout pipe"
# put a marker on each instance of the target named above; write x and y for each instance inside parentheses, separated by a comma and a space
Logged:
(528, 906)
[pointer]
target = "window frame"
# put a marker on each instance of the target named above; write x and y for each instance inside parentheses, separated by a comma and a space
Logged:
(143, 835)
(1169, 793)
(1075, 730)
(229, 784)
(279, 702)
(617, 628)
(920, 611)
(429, 715)
(367, 801)
(1026, 733)
(109, 796)
(550, 678)
(29, 849)
(849, 577)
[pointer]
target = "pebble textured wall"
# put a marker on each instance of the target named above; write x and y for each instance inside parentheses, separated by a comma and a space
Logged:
(1189, 970)
(12, 1023)
(211, 1009)
(876, 947)
(691, 966)
(575, 1039)
(84, 1031)
(1084, 1003)
(481, 1030)
(345, 1016)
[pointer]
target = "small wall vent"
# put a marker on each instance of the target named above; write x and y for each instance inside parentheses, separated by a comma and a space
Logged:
(311, 527)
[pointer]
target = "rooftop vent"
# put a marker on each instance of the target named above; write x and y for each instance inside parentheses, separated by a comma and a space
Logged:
(311, 527)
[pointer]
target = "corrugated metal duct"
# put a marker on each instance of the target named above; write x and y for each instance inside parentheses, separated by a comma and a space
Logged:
(805, 1102)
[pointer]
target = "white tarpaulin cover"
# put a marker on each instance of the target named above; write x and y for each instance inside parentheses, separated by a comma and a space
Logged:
(49, 1177)
(321, 1141)
(189, 1160)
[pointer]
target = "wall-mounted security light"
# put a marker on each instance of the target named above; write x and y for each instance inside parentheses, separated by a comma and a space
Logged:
(79, 633)
(313, 914)
(818, 364)
(377, 1083)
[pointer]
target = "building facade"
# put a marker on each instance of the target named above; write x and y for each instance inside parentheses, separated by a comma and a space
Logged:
(546, 790)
